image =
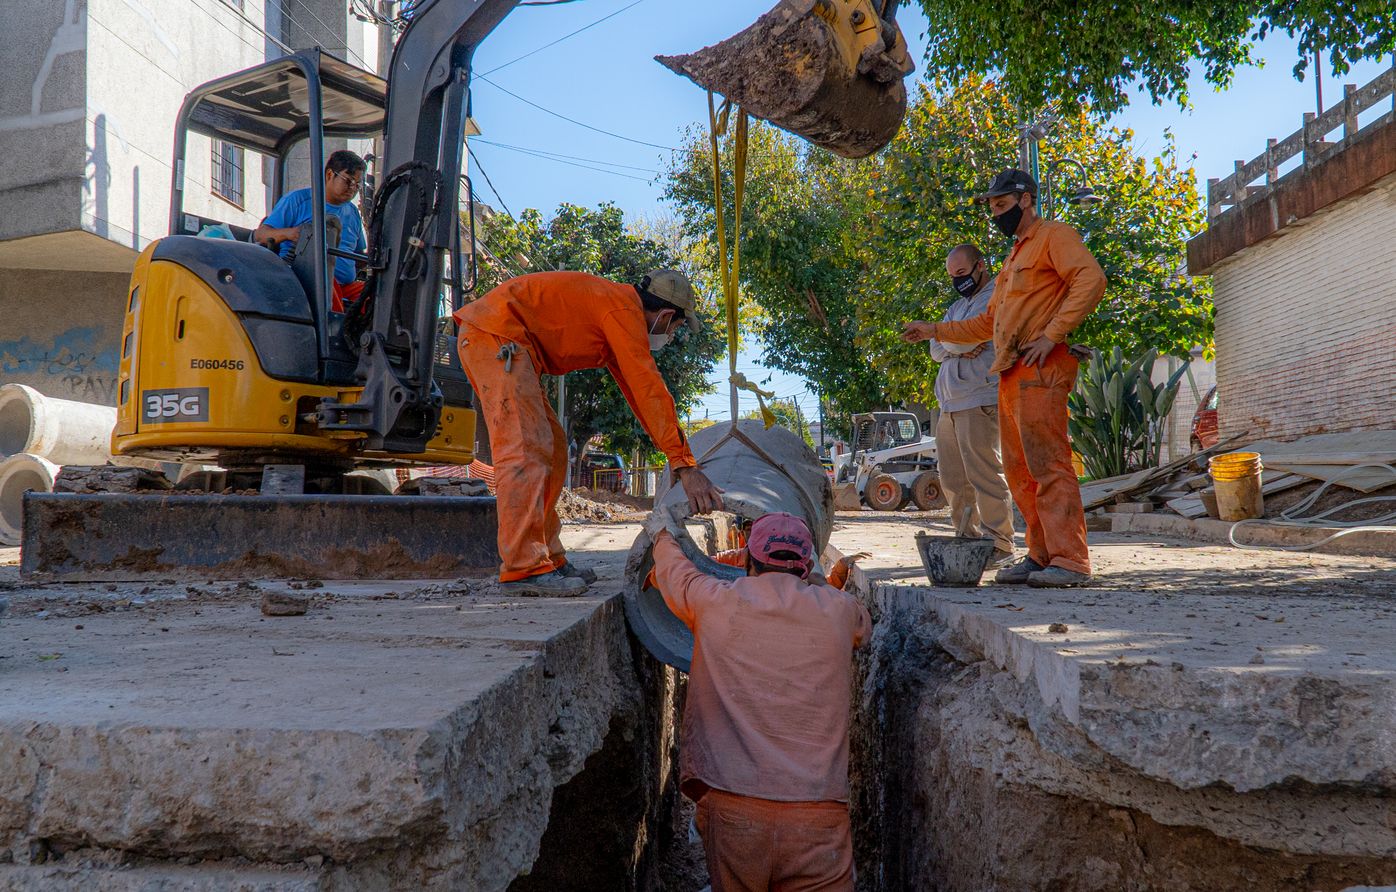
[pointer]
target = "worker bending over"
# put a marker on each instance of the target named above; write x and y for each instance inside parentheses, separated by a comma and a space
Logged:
(551, 324)
(764, 745)
(1048, 285)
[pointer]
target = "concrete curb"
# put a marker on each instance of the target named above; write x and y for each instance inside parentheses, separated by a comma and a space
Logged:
(1376, 543)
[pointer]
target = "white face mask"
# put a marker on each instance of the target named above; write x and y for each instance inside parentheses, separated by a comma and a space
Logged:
(660, 341)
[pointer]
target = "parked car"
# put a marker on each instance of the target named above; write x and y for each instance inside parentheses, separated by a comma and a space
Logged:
(1205, 432)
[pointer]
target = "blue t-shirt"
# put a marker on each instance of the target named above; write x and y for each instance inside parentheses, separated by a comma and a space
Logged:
(294, 209)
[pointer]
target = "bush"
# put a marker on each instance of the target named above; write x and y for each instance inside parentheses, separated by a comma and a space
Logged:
(1118, 415)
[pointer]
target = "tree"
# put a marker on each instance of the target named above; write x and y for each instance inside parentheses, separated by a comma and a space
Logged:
(1087, 53)
(788, 415)
(839, 254)
(597, 241)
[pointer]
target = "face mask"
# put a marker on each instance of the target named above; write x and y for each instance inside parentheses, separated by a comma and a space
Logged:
(1008, 221)
(660, 341)
(966, 285)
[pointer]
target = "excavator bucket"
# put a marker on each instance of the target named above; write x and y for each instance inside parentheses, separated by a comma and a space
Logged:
(830, 71)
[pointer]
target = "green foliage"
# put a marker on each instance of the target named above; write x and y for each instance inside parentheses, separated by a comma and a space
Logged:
(839, 254)
(788, 415)
(1088, 53)
(597, 241)
(1117, 415)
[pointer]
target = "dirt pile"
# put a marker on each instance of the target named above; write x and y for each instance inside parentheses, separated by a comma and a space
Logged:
(573, 508)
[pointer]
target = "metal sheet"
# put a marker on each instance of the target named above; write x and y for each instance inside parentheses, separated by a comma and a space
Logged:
(70, 537)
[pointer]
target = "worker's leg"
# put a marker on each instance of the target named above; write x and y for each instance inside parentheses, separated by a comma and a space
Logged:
(978, 433)
(557, 480)
(954, 481)
(516, 410)
(814, 848)
(1041, 418)
(342, 292)
(1015, 466)
(738, 842)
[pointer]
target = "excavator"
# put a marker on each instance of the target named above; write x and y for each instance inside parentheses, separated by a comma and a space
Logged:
(231, 355)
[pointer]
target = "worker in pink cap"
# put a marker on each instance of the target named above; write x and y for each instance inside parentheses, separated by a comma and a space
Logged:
(764, 747)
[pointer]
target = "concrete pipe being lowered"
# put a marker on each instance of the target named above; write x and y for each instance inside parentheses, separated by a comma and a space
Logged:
(20, 474)
(63, 431)
(759, 471)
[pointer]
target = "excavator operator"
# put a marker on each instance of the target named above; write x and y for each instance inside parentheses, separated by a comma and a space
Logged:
(551, 324)
(344, 172)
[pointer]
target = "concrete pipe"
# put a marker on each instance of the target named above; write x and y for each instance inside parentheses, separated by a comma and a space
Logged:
(20, 474)
(63, 431)
(759, 471)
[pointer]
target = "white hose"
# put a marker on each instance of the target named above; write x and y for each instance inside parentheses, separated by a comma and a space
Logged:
(1292, 516)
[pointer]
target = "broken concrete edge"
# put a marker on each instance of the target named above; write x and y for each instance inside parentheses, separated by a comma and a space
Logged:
(463, 802)
(1372, 543)
(1187, 726)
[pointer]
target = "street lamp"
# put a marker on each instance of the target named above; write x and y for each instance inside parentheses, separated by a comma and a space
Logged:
(1085, 194)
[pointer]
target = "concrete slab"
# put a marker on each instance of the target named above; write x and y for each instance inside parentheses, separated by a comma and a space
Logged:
(398, 735)
(1201, 718)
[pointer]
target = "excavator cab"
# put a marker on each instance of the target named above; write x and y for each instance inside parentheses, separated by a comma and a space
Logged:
(830, 71)
(230, 351)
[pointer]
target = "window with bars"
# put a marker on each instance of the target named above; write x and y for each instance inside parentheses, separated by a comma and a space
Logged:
(226, 178)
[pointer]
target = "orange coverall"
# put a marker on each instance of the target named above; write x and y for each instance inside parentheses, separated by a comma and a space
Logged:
(554, 323)
(764, 745)
(1050, 283)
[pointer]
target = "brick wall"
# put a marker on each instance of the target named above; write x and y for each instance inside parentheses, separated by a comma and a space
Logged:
(1306, 324)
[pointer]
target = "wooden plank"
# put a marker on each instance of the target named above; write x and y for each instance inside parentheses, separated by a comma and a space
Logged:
(1190, 507)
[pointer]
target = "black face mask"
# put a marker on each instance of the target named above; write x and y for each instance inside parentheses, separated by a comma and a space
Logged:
(1008, 221)
(966, 285)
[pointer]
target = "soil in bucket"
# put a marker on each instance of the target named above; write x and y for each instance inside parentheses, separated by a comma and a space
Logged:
(954, 560)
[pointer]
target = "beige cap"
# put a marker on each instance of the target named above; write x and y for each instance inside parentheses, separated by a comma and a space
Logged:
(673, 286)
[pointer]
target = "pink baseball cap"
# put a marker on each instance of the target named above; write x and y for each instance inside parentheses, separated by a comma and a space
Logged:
(781, 532)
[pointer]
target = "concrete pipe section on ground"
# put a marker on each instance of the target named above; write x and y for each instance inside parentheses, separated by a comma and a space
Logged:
(64, 432)
(20, 474)
(759, 470)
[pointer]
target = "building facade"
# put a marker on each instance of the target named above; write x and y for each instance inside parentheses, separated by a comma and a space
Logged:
(1304, 276)
(88, 101)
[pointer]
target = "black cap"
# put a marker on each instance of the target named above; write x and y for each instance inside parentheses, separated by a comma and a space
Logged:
(1010, 182)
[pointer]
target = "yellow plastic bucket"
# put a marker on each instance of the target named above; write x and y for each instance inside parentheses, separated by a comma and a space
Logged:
(1236, 480)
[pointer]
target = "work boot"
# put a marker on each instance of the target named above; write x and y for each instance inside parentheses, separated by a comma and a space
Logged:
(572, 571)
(545, 585)
(1058, 577)
(1017, 574)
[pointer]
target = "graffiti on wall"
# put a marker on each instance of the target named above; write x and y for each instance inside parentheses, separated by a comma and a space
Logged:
(76, 364)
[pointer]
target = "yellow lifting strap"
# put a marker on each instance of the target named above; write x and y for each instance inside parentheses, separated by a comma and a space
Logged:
(730, 269)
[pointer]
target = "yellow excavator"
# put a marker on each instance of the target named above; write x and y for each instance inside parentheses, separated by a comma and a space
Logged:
(231, 355)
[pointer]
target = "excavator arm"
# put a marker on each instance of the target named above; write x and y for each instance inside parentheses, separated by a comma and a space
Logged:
(413, 225)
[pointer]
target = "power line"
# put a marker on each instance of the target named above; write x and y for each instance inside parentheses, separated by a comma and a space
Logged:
(500, 145)
(563, 37)
(489, 182)
(641, 142)
(543, 157)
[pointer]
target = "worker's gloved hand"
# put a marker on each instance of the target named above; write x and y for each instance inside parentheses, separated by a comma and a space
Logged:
(703, 496)
(659, 522)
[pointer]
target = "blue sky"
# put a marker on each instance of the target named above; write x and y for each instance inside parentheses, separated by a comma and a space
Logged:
(606, 78)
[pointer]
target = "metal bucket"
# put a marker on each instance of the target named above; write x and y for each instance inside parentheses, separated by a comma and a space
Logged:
(954, 560)
(759, 471)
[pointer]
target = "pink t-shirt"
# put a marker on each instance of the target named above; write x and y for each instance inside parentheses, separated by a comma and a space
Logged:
(769, 690)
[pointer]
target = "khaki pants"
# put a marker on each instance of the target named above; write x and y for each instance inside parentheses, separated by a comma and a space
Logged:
(971, 474)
